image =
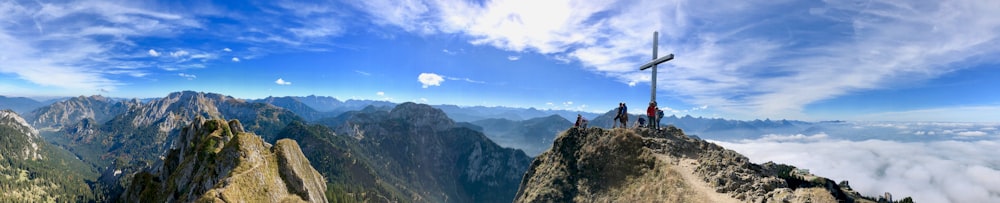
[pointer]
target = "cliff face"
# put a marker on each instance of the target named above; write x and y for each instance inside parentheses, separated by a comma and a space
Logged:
(639, 165)
(213, 160)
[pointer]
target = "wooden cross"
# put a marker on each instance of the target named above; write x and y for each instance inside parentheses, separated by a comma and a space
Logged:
(652, 64)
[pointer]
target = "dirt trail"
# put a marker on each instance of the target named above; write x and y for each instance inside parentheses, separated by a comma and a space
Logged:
(686, 168)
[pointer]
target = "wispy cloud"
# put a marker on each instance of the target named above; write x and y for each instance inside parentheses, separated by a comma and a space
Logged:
(179, 53)
(282, 82)
(187, 76)
(53, 45)
(513, 58)
(362, 73)
(450, 52)
(434, 79)
(236, 59)
(466, 80)
(86, 44)
(742, 65)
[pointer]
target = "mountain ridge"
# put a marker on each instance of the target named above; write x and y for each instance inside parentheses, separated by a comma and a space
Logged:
(430, 158)
(215, 160)
(641, 165)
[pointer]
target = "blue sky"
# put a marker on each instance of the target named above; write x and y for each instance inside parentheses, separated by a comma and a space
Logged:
(809, 60)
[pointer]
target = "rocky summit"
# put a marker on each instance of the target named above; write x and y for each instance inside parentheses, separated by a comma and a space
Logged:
(216, 161)
(642, 165)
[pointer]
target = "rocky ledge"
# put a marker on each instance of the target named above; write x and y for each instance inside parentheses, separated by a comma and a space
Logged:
(641, 165)
(216, 161)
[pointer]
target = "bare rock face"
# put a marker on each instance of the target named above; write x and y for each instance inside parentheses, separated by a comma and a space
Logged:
(211, 161)
(641, 165)
(298, 174)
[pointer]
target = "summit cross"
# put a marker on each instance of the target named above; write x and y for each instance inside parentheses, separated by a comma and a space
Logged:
(652, 64)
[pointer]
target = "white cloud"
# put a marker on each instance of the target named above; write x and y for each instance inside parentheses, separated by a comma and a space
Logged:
(549, 104)
(362, 73)
(567, 103)
(430, 79)
(187, 76)
(793, 138)
(153, 53)
(632, 83)
(227, 49)
(235, 59)
(424, 100)
(939, 171)
(971, 133)
(513, 58)
(178, 54)
(449, 52)
(380, 93)
(282, 82)
(465, 79)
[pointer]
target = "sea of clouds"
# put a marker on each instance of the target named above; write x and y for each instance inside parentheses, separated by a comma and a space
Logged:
(931, 162)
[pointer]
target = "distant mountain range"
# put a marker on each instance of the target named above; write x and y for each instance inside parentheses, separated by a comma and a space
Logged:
(534, 136)
(717, 128)
(20, 105)
(406, 152)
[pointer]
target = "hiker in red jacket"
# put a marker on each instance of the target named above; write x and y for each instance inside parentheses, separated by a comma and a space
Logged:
(651, 114)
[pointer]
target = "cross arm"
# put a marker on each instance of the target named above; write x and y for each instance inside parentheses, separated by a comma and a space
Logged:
(657, 61)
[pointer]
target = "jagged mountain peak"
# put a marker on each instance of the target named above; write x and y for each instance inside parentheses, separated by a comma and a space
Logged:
(214, 160)
(639, 165)
(72, 110)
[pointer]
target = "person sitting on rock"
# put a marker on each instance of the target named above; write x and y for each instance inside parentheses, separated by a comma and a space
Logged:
(642, 122)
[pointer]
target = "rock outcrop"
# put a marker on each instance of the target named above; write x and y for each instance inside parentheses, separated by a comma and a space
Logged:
(215, 160)
(641, 165)
(119, 137)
